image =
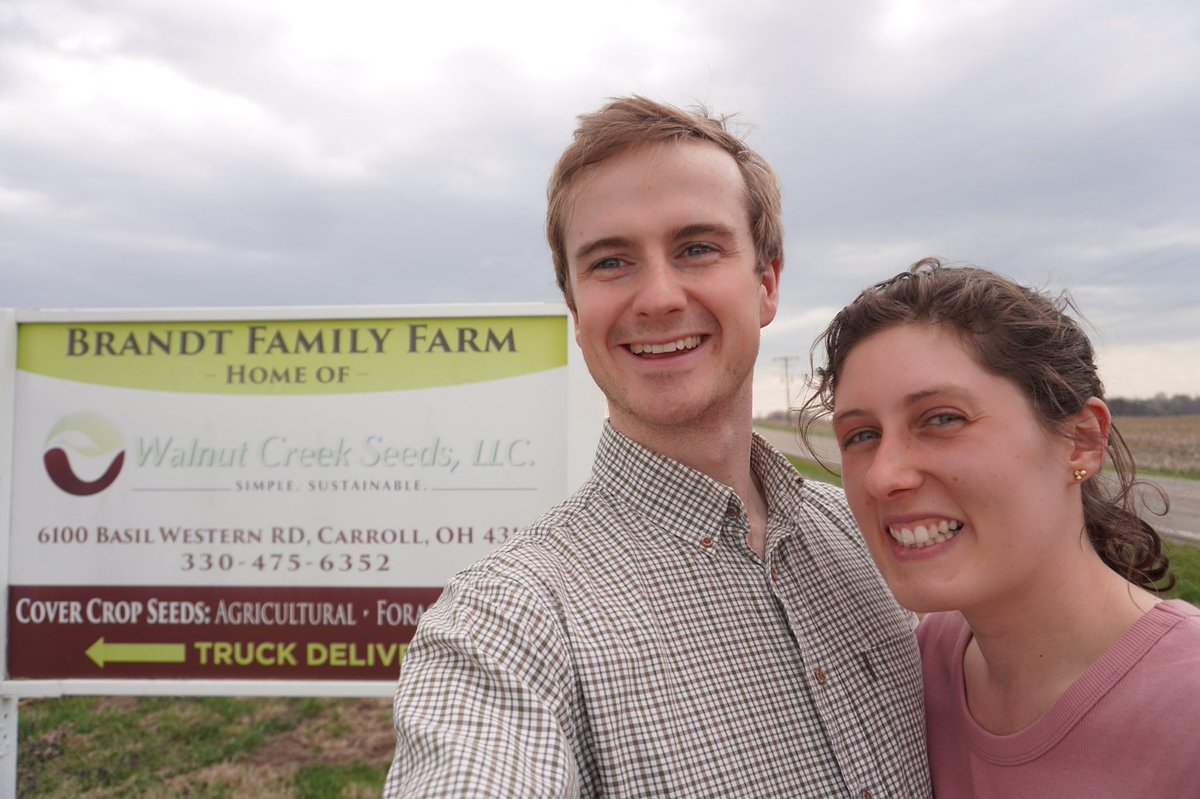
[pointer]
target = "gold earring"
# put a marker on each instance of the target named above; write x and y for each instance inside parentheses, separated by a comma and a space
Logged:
(1080, 474)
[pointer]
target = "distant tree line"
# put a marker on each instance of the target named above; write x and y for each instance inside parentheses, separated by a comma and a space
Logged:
(1158, 405)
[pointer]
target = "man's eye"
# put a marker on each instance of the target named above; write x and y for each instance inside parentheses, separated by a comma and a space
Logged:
(608, 263)
(697, 249)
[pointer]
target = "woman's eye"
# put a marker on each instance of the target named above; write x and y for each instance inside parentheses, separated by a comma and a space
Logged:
(943, 419)
(859, 436)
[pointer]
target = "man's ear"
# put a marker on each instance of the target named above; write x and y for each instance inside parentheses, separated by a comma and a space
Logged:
(1089, 431)
(769, 303)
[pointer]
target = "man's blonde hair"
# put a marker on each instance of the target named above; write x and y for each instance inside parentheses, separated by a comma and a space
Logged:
(628, 121)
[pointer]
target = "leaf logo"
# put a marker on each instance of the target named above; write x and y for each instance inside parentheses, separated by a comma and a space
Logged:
(93, 438)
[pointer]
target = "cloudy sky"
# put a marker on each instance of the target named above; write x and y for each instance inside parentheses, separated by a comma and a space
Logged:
(286, 152)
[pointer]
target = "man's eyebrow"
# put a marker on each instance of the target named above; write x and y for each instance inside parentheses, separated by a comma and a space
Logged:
(702, 229)
(608, 242)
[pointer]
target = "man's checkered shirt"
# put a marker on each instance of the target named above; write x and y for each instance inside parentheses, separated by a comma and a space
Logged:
(630, 643)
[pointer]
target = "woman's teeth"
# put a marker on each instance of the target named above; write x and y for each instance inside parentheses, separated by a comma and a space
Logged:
(925, 535)
(687, 343)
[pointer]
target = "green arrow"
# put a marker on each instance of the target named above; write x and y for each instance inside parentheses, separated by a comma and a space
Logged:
(102, 653)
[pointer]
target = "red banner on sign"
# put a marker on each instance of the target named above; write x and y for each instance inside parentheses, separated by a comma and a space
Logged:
(211, 633)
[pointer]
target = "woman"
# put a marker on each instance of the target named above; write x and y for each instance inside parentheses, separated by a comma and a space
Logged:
(973, 432)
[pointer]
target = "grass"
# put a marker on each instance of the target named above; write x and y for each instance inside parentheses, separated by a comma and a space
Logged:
(322, 781)
(1185, 563)
(203, 748)
(1182, 474)
(1165, 446)
(815, 471)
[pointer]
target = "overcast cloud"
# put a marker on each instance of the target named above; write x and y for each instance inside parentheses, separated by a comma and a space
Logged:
(223, 153)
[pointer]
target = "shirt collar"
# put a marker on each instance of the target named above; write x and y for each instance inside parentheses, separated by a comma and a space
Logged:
(681, 500)
(782, 484)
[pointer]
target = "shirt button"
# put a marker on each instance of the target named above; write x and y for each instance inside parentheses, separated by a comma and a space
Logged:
(820, 675)
(774, 576)
(866, 793)
(706, 542)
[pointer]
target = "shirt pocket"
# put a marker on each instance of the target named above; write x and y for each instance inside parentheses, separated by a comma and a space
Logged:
(873, 706)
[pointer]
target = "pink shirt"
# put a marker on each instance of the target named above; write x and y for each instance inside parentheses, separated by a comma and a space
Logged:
(1129, 727)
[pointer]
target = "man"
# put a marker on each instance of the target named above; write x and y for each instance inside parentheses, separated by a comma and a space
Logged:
(697, 620)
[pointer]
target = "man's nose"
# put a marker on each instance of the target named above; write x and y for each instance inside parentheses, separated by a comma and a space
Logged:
(660, 290)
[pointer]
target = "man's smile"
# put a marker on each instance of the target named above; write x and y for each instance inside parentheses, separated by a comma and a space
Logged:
(685, 343)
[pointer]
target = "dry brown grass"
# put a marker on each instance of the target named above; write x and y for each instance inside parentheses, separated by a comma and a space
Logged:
(346, 731)
(1163, 443)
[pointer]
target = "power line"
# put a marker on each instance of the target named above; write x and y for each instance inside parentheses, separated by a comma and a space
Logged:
(787, 378)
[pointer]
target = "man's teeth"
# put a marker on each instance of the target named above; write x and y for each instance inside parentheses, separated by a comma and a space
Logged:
(688, 343)
(925, 535)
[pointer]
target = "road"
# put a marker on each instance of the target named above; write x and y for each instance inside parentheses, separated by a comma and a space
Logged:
(1181, 523)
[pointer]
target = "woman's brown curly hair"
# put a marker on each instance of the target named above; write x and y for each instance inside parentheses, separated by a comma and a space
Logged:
(1027, 337)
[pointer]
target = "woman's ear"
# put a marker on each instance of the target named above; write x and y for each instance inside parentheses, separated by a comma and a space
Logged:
(1089, 430)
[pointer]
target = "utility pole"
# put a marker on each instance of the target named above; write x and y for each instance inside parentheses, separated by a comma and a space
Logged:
(787, 380)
